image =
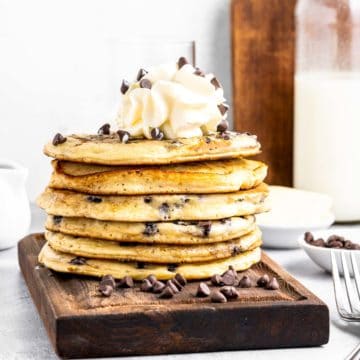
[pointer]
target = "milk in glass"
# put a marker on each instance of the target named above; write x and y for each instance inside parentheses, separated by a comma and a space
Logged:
(327, 102)
(327, 138)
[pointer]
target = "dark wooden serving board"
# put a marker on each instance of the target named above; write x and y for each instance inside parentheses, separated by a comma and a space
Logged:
(81, 323)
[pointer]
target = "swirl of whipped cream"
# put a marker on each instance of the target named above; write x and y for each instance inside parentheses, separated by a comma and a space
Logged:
(179, 102)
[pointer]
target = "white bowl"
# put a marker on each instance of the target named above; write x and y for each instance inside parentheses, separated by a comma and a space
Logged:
(285, 236)
(322, 256)
(292, 213)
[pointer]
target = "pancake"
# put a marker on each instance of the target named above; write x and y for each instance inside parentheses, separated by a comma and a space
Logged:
(179, 232)
(153, 253)
(108, 150)
(61, 262)
(192, 178)
(156, 207)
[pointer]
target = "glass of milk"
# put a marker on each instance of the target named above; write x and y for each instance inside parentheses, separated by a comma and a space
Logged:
(327, 102)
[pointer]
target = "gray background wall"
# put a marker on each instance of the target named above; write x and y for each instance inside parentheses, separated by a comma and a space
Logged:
(54, 63)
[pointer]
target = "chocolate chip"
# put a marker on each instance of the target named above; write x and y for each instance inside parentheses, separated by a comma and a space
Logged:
(205, 227)
(150, 229)
(141, 74)
(172, 267)
(158, 286)
(167, 293)
(207, 140)
(245, 282)
(335, 244)
(172, 286)
(229, 292)
(156, 134)
(214, 81)
(217, 280)
(140, 265)
(181, 62)
(124, 86)
(308, 237)
(333, 238)
(147, 199)
(223, 108)
(202, 290)
(199, 72)
(263, 280)
(177, 284)
(124, 136)
(58, 139)
(233, 271)
(348, 244)
(228, 278)
(106, 290)
(223, 126)
(104, 130)
(164, 210)
(78, 261)
(320, 243)
(272, 284)
(225, 135)
(180, 279)
(145, 84)
(218, 297)
(332, 242)
(152, 278)
(236, 251)
(57, 219)
(108, 280)
(94, 199)
(146, 285)
(126, 282)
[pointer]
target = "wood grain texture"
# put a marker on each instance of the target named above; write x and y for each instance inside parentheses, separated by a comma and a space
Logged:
(263, 70)
(81, 323)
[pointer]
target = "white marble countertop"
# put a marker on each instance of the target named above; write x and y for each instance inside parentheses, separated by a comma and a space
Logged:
(23, 337)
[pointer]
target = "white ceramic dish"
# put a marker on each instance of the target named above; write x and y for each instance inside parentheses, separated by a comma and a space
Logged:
(292, 213)
(321, 256)
(14, 208)
(285, 236)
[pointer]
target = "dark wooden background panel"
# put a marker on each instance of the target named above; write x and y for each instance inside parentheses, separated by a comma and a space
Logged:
(263, 71)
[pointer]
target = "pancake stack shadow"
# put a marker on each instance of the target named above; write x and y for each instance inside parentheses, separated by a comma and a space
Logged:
(170, 216)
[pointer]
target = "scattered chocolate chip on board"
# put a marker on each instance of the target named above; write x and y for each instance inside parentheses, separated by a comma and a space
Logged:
(203, 290)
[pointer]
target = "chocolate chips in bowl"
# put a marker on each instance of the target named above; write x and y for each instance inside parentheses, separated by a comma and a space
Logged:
(333, 241)
(318, 245)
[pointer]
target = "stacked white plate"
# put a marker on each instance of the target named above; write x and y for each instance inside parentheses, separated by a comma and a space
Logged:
(293, 212)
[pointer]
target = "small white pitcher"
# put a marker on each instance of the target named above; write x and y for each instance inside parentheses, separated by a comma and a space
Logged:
(14, 205)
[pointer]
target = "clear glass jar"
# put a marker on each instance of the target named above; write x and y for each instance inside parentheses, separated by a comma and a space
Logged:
(327, 102)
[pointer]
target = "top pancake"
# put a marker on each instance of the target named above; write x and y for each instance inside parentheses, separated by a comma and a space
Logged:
(108, 150)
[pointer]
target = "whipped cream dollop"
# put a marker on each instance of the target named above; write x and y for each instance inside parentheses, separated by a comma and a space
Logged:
(177, 99)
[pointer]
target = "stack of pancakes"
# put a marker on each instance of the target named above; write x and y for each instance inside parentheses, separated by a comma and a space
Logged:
(153, 206)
